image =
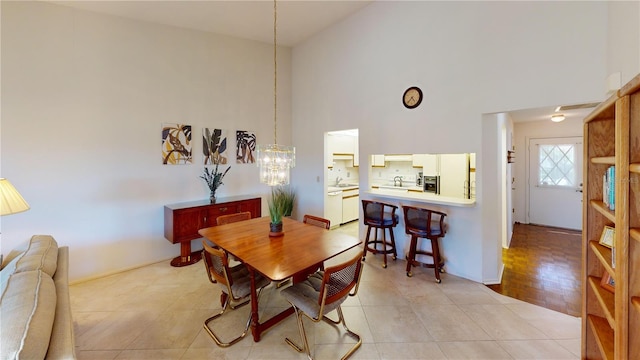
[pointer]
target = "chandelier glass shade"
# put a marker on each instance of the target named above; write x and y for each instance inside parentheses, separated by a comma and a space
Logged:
(275, 161)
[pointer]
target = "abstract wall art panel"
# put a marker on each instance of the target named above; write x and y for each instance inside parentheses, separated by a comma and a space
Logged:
(245, 147)
(214, 146)
(176, 144)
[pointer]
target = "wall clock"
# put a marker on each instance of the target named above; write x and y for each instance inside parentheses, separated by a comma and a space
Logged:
(412, 97)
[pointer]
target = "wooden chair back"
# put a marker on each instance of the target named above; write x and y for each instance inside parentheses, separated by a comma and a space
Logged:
(231, 218)
(378, 214)
(217, 264)
(424, 222)
(316, 221)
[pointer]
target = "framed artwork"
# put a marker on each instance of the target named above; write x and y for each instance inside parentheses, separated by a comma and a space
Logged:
(607, 237)
(176, 144)
(607, 282)
(245, 147)
(214, 146)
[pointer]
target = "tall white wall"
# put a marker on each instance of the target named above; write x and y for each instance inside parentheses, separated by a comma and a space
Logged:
(84, 97)
(623, 39)
(469, 58)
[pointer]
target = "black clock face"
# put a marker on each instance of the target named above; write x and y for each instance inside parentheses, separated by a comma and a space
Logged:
(412, 97)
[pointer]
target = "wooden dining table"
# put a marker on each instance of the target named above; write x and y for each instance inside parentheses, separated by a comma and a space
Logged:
(295, 253)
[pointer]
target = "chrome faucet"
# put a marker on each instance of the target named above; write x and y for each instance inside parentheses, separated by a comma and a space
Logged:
(397, 180)
(338, 179)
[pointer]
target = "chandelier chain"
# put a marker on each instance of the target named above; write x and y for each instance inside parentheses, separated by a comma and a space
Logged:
(275, 75)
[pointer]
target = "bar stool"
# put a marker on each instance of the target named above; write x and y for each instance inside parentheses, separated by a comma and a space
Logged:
(378, 215)
(428, 224)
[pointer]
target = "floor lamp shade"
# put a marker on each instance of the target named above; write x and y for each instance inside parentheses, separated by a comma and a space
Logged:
(11, 201)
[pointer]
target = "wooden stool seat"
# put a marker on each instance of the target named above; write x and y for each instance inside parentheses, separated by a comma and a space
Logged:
(427, 224)
(380, 216)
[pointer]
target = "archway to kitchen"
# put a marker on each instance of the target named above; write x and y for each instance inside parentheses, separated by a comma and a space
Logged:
(341, 179)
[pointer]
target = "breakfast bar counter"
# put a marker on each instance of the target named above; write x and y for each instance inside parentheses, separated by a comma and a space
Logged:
(422, 197)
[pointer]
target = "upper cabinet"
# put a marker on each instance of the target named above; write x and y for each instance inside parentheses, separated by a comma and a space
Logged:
(377, 160)
(428, 163)
(399, 157)
(341, 146)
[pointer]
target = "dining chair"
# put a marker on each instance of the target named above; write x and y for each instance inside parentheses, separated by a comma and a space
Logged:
(231, 218)
(321, 293)
(236, 287)
(317, 221)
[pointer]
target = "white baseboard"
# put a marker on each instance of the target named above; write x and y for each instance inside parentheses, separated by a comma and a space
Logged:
(495, 281)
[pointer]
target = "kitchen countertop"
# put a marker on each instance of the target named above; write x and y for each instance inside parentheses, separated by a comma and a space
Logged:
(401, 193)
(342, 188)
(399, 188)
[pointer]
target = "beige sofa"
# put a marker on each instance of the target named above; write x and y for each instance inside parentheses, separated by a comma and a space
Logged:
(35, 316)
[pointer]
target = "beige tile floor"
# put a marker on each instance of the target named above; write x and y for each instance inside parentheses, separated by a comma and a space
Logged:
(157, 311)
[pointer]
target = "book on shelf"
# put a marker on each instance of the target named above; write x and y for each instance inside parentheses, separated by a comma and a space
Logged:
(609, 188)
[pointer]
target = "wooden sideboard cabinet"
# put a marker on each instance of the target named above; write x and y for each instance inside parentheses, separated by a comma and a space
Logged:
(183, 220)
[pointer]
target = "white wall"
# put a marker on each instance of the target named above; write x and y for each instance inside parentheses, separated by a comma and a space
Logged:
(84, 97)
(469, 58)
(623, 39)
(523, 131)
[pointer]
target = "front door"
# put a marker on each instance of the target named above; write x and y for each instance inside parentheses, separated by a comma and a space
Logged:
(555, 182)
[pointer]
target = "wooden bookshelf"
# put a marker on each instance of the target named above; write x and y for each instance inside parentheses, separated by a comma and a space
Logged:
(611, 321)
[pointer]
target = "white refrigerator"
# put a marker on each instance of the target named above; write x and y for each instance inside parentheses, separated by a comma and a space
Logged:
(454, 175)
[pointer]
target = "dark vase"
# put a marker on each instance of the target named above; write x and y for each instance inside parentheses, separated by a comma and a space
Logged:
(212, 197)
(275, 229)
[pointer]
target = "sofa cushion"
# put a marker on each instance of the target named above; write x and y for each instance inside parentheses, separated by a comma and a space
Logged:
(27, 312)
(62, 344)
(41, 254)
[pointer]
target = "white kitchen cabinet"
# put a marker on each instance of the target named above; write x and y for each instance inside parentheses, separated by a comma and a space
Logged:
(342, 145)
(333, 208)
(430, 165)
(399, 157)
(418, 160)
(454, 175)
(350, 205)
(377, 160)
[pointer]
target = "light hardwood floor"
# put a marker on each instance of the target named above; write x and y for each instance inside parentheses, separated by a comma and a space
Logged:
(157, 312)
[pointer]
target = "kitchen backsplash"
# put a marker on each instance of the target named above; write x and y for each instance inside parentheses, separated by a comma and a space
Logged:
(384, 176)
(348, 174)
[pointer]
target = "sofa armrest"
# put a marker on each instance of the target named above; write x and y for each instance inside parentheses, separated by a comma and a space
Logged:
(62, 343)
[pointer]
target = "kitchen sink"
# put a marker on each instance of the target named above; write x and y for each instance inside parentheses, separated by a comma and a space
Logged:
(346, 185)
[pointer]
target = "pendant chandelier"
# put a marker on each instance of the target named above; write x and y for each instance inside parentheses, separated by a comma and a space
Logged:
(275, 161)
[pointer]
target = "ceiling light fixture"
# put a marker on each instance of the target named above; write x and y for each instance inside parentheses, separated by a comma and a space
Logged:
(275, 161)
(557, 117)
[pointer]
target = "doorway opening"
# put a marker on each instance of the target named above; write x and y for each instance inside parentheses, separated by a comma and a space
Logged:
(342, 178)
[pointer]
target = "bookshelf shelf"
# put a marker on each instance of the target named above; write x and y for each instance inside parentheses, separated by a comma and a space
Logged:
(604, 336)
(604, 210)
(604, 255)
(606, 300)
(608, 160)
(611, 320)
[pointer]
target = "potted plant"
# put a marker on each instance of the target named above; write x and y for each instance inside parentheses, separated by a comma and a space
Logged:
(280, 205)
(213, 180)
